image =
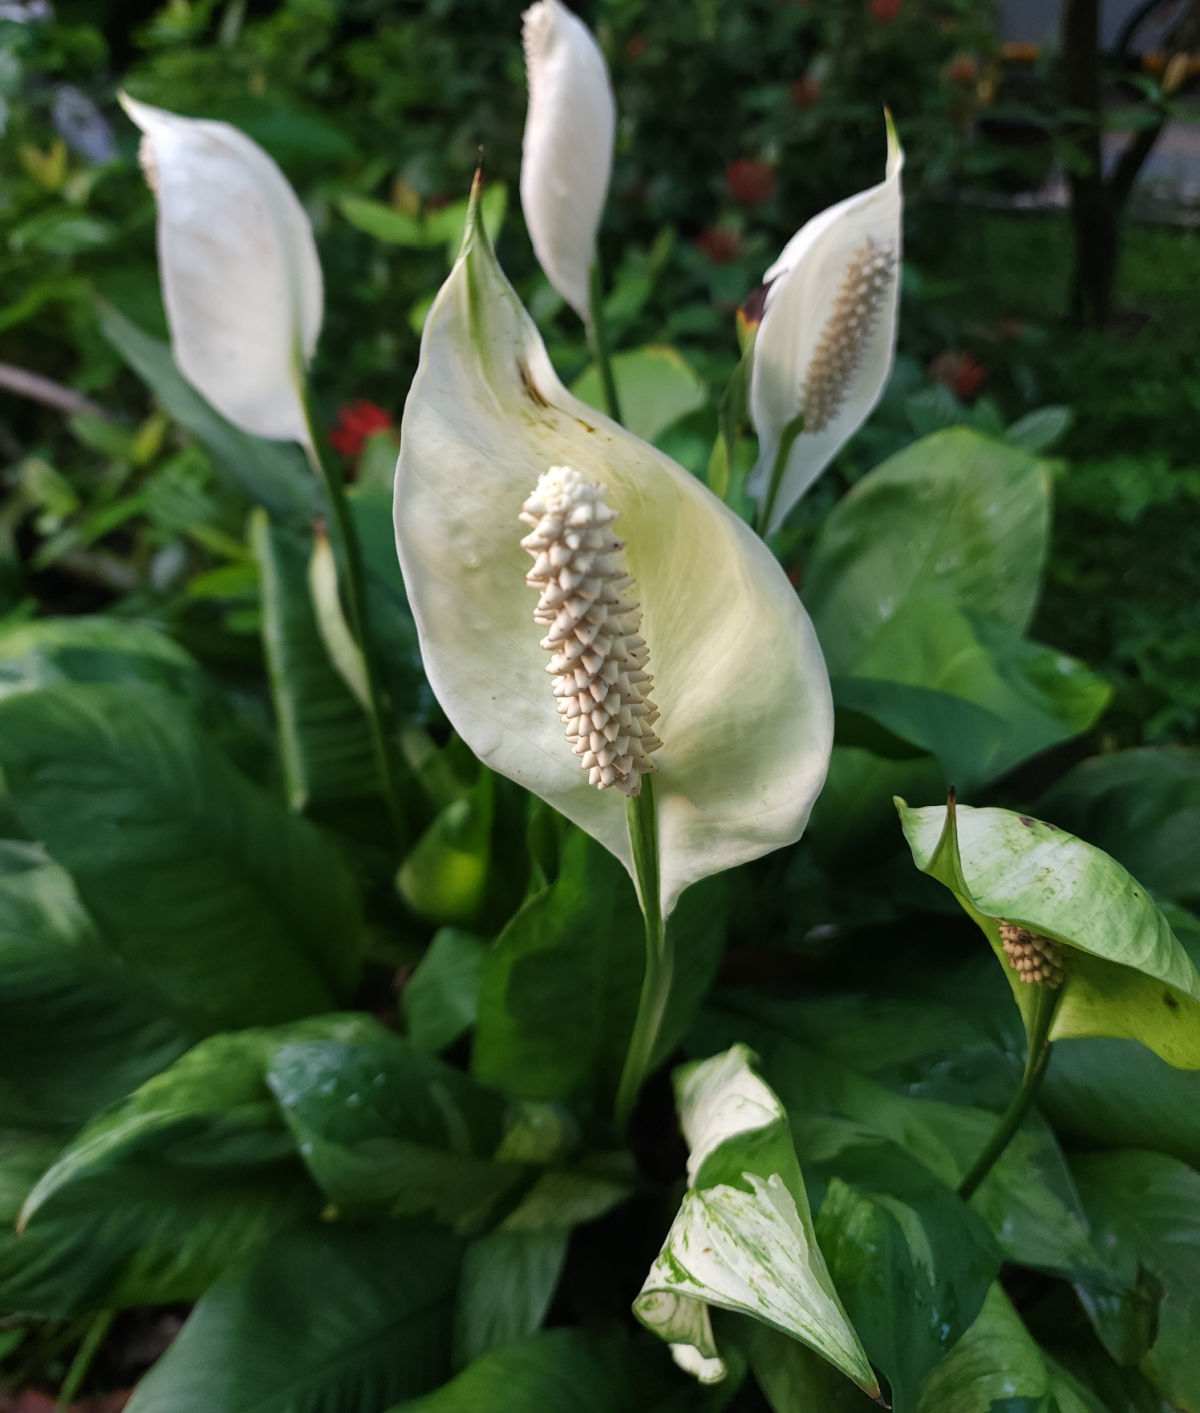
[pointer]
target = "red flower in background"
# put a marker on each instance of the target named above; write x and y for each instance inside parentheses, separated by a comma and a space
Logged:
(356, 421)
(635, 46)
(961, 372)
(963, 69)
(805, 92)
(719, 244)
(885, 11)
(750, 182)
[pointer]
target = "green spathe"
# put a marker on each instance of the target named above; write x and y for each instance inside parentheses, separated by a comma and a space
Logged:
(1126, 975)
(739, 677)
(743, 1239)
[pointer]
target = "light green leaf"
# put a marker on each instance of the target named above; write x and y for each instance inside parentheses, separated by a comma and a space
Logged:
(1126, 973)
(656, 387)
(957, 515)
(1041, 429)
(1141, 806)
(260, 1343)
(998, 1368)
(744, 1238)
(745, 712)
(445, 877)
(427, 231)
(241, 912)
(441, 998)
(1147, 1211)
(79, 1027)
(273, 474)
(324, 745)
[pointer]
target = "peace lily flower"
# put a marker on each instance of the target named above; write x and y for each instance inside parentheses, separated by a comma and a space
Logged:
(567, 153)
(669, 625)
(239, 269)
(827, 339)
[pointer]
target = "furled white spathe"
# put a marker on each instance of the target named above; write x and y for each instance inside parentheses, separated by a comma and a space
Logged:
(566, 157)
(827, 339)
(240, 275)
(746, 716)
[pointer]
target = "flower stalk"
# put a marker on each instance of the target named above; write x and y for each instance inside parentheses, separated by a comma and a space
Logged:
(348, 553)
(598, 338)
(660, 963)
(1036, 1060)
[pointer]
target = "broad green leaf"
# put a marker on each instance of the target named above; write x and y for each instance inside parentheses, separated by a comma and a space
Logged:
(795, 1380)
(162, 1192)
(568, 1371)
(743, 1239)
(324, 745)
(445, 877)
(441, 998)
(79, 1026)
(738, 677)
(242, 913)
(1127, 974)
(1147, 1210)
(913, 1263)
(1116, 1094)
(436, 228)
(997, 1367)
(1141, 806)
(956, 514)
(581, 936)
(382, 1126)
(656, 386)
(272, 474)
(507, 1283)
(1040, 430)
(329, 1319)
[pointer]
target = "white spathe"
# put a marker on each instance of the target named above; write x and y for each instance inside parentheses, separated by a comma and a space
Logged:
(827, 339)
(566, 156)
(746, 716)
(240, 275)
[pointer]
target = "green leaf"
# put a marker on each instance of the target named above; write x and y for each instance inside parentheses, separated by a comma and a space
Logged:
(445, 877)
(441, 998)
(1127, 974)
(996, 1367)
(914, 1264)
(581, 936)
(158, 1195)
(566, 1371)
(1040, 430)
(957, 515)
(324, 745)
(743, 1239)
(260, 1343)
(272, 474)
(508, 1280)
(1146, 1208)
(382, 1126)
(441, 227)
(656, 385)
(1141, 806)
(79, 1027)
(240, 912)
(793, 1379)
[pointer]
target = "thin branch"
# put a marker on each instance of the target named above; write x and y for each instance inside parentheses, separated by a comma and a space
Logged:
(51, 394)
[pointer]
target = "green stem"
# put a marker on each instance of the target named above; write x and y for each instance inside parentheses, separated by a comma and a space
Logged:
(790, 433)
(348, 553)
(656, 979)
(82, 1362)
(598, 334)
(1036, 1060)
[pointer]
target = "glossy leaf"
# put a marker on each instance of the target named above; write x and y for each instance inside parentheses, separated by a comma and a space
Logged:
(243, 913)
(259, 1343)
(441, 998)
(746, 720)
(1127, 974)
(998, 1366)
(743, 1239)
(1147, 1209)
